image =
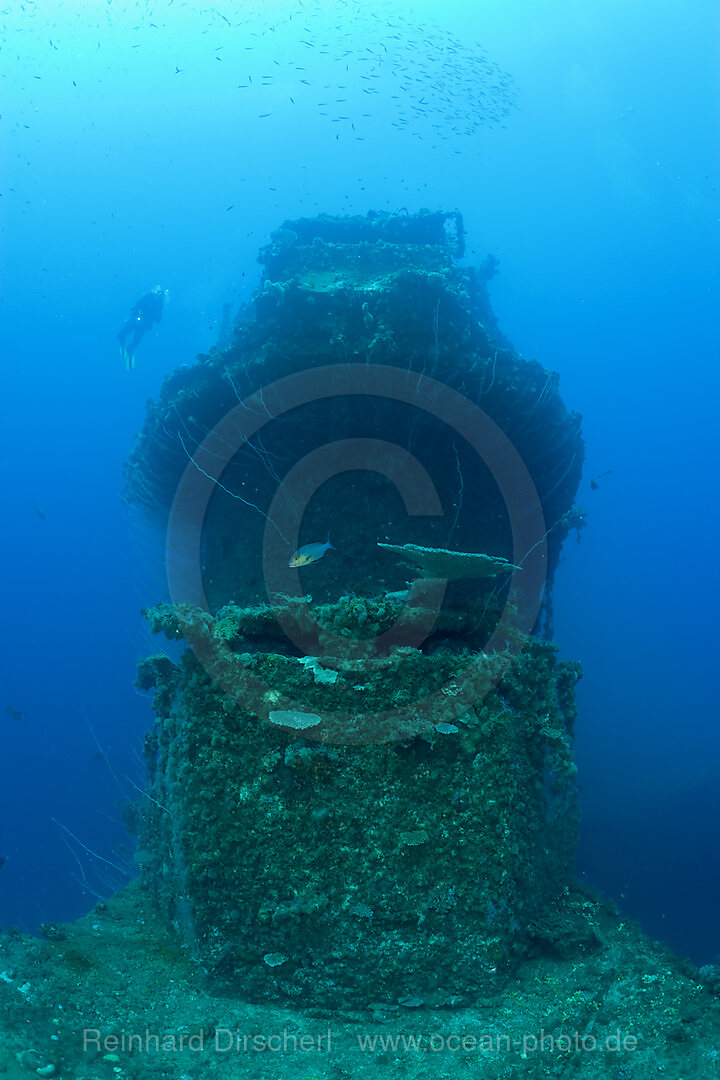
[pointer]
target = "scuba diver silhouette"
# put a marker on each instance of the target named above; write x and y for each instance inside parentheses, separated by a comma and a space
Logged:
(143, 314)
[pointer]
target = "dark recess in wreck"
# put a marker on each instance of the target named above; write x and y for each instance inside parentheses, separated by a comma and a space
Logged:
(385, 290)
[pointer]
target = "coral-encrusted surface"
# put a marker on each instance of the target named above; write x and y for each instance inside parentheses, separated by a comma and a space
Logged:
(114, 995)
(384, 296)
(300, 868)
(361, 785)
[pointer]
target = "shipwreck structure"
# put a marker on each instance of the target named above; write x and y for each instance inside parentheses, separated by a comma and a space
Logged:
(361, 774)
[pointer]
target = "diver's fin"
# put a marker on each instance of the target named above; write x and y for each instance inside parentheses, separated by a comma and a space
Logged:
(130, 361)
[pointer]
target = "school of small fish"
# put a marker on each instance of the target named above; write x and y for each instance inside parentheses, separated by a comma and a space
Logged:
(359, 66)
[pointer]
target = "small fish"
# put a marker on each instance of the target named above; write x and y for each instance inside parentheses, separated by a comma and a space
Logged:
(3, 860)
(594, 485)
(310, 553)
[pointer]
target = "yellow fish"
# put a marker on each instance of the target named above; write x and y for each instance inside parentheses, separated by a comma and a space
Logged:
(310, 553)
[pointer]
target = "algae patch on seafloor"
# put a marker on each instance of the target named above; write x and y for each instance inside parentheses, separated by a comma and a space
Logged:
(631, 1007)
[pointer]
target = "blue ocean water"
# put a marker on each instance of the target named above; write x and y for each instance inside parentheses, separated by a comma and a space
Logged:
(161, 144)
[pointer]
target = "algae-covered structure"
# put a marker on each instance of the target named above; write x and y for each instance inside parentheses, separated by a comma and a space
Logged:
(357, 835)
(361, 779)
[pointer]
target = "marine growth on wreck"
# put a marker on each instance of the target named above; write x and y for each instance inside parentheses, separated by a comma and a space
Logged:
(361, 779)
